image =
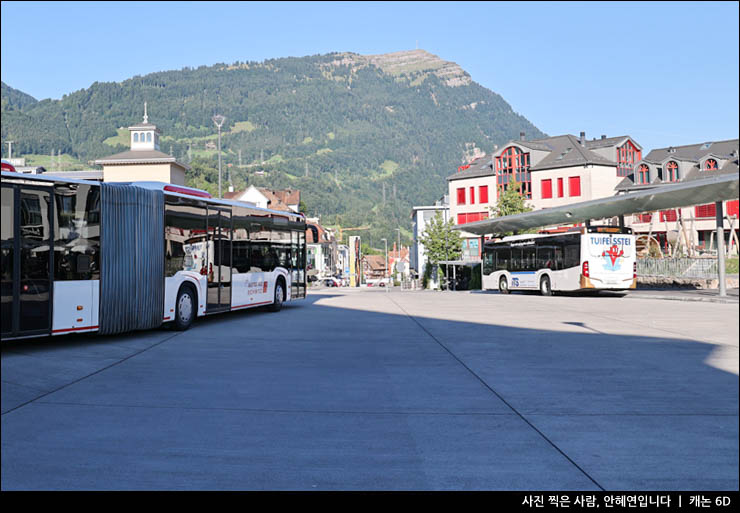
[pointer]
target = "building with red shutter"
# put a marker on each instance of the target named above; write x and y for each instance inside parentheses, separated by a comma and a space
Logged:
(552, 171)
(681, 164)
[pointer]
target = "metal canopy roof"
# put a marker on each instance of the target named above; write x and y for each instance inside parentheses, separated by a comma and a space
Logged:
(683, 194)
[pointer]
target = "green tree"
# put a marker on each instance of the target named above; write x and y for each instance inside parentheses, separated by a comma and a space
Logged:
(511, 201)
(440, 241)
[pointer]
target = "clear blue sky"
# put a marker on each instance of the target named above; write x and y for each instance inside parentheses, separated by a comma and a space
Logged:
(665, 72)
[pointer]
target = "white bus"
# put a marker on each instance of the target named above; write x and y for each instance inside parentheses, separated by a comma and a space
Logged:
(593, 258)
(82, 256)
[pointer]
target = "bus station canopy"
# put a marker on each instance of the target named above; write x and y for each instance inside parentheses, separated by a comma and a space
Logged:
(684, 194)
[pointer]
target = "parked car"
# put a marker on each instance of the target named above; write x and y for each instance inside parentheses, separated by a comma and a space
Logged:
(330, 282)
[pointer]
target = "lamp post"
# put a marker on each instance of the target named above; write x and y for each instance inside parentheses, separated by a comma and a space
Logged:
(385, 273)
(398, 255)
(218, 120)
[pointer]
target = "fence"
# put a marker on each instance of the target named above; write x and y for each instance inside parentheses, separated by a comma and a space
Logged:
(678, 267)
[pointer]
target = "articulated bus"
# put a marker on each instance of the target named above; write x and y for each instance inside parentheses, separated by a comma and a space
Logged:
(592, 258)
(83, 256)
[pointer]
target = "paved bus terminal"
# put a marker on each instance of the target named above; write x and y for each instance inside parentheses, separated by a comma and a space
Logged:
(375, 390)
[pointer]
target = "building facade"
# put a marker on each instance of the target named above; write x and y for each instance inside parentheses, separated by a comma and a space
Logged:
(420, 218)
(552, 172)
(143, 162)
(692, 227)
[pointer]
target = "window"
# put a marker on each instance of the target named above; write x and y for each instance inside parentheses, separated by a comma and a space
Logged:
(627, 156)
(572, 255)
(574, 186)
(77, 232)
(512, 165)
(671, 171)
(643, 174)
(472, 195)
(461, 196)
(503, 258)
(136, 136)
(462, 218)
(710, 165)
(185, 236)
(148, 137)
(668, 215)
(546, 189)
(560, 188)
(731, 208)
(483, 194)
(706, 211)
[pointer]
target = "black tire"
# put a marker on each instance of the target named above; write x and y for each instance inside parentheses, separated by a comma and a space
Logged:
(503, 285)
(186, 307)
(277, 302)
(545, 286)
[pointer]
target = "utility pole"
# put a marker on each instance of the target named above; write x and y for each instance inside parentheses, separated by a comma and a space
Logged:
(10, 149)
(219, 121)
(398, 255)
(385, 274)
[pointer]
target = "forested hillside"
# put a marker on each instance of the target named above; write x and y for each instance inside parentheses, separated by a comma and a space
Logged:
(363, 137)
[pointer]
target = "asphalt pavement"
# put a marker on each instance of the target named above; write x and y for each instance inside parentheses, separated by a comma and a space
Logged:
(375, 390)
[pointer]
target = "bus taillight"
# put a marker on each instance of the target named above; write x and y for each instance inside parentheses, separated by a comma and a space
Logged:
(634, 270)
(584, 269)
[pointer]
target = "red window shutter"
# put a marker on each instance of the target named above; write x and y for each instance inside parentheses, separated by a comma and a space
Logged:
(484, 215)
(560, 187)
(462, 218)
(668, 215)
(731, 208)
(472, 195)
(546, 189)
(574, 185)
(483, 194)
(707, 210)
(461, 196)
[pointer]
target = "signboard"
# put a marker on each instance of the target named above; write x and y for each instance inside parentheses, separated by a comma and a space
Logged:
(355, 259)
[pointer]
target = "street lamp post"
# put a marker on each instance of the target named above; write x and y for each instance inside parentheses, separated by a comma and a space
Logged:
(218, 119)
(385, 273)
(398, 255)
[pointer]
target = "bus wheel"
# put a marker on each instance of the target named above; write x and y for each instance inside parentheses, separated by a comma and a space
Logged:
(503, 285)
(545, 287)
(277, 304)
(185, 308)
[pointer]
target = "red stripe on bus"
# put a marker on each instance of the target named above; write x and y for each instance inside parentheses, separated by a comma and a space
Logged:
(76, 329)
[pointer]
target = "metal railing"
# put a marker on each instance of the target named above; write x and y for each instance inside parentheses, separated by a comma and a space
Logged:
(677, 267)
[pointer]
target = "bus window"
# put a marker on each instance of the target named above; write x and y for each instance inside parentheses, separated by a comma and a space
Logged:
(77, 232)
(546, 257)
(489, 259)
(184, 227)
(529, 262)
(572, 255)
(503, 259)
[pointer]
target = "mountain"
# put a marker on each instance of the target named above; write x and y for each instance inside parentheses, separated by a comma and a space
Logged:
(15, 99)
(363, 137)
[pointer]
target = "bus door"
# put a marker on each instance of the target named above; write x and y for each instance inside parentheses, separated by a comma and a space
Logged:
(26, 277)
(219, 259)
(298, 265)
